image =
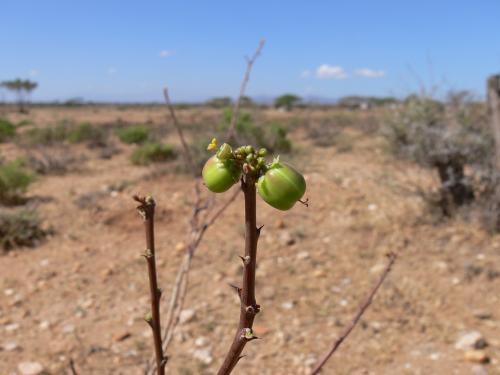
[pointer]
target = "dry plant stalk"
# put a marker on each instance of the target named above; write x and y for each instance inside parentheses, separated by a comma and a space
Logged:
(231, 133)
(392, 256)
(146, 209)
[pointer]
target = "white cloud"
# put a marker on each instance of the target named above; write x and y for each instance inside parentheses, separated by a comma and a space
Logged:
(166, 53)
(370, 73)
(306, 73)
(33, 73)
(326, 71)
(112, 70)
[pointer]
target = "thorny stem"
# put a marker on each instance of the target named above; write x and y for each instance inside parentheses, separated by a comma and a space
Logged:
(147, 211)
(362, 308)
(248, 304)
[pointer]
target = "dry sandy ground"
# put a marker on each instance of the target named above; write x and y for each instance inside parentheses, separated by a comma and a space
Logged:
(82, 294)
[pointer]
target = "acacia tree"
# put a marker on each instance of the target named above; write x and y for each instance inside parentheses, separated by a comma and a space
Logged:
(287, 101)
(22, 89)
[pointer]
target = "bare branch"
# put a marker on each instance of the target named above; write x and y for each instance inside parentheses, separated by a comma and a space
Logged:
(185, 147)
(231, 132)
(362, 309)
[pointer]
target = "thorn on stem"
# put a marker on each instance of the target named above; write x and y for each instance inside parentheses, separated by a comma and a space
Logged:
(237, 288)
(305, 203)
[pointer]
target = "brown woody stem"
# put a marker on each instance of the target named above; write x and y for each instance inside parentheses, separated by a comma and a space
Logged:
(362, 309)
(147, 211)
(248, 305)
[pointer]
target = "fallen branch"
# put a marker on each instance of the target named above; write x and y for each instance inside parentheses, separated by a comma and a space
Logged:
(362, 309)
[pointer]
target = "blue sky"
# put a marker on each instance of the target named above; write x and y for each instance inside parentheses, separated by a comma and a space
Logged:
(128, 50)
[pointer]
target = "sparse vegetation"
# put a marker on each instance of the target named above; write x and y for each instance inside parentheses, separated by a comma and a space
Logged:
(449, 137)
(152, 153)
(86, 133)
(134, 134)
(14, 180)
(7, 130)
(20, 228)
(46, 135)
(272, 136)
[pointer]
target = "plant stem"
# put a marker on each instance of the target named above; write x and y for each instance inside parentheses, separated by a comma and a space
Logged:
(147, 211)
(248, 305)
(362, 309)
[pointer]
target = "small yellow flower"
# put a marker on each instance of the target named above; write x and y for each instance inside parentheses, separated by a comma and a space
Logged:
(212, 145)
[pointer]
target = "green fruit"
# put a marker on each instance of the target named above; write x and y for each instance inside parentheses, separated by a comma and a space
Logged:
(282, 186)
(219, 175)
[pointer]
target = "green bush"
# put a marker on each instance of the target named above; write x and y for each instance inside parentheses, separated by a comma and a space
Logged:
(279, 142)
(7, 130)
(21, 228)
(152, 153)
(134, 134)
(85, 133)
(14, 180)
(273, 136)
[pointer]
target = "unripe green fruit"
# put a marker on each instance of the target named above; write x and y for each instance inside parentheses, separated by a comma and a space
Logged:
(282, 186)
(220, 175)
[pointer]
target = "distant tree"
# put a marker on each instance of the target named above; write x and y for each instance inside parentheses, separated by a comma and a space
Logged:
(221, 102)
(22, 89)
(246, 101)
(287, 101)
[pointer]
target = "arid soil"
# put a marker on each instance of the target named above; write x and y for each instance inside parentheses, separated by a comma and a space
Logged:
(82, 294)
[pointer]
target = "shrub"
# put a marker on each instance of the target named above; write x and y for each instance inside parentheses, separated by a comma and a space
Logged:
(86, 133)
(54, 161)
(21, 228)
(445, 136)
(14, 180)
(278, 141)
(272, 136)
(152, 153)
(134, 134)
(47, 135)
(7, 130)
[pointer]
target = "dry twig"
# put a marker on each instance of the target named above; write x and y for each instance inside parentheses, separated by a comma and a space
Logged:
(231, 132)
(362, 309)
